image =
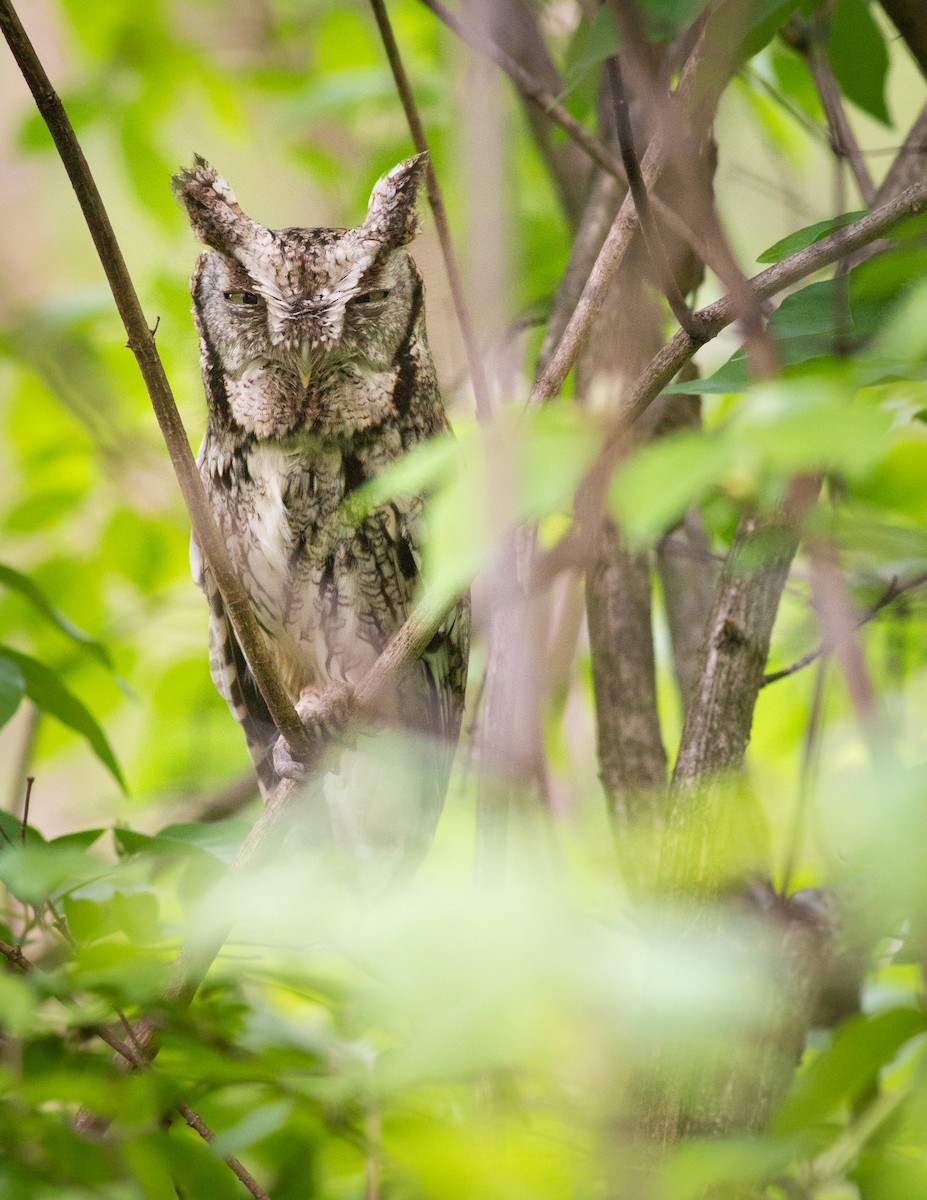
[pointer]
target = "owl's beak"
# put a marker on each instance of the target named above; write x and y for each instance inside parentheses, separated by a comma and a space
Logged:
(305, 363)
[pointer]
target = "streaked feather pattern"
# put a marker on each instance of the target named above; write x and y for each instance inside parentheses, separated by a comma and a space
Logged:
(318, 376)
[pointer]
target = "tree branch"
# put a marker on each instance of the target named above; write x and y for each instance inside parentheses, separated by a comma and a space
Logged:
(895, 589)
(512, 25)
(715, 317)
(436, 200)
(651, 234)
(553, 110)
(190, 967)
(910, 164)
(142, 343)
(800, 34)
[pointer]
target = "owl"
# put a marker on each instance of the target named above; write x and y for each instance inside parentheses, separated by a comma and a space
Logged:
(318, 376)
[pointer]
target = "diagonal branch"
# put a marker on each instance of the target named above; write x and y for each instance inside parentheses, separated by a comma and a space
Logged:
(800, 35)
(652, 240)
(895, 589)
(553, 110)
(910, 164)
(436, 200)
(142, 344)
(418, 631)
(408, 643)
(715, 317)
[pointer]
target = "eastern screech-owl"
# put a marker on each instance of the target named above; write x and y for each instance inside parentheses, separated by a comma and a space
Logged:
(318, 375)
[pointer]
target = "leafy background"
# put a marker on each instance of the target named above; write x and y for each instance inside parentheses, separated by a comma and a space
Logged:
(469, 1045)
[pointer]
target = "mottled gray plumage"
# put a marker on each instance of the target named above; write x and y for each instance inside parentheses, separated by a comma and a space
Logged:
(318, 375)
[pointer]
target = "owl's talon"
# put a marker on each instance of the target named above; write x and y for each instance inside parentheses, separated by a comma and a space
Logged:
(325, 717)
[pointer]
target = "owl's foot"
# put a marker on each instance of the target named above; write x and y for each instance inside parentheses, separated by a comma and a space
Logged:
(325, 716)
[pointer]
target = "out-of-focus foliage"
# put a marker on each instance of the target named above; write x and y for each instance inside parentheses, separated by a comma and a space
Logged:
(451, 1041)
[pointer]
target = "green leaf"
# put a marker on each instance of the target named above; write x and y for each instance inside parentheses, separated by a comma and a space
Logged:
(11, 830)
(22, 584)
(809, 322)
(807, 237)
(255, 1125)
(49, 694)
(81, 839)
(219, 840)
(12, 689)
(656, 486)
(859, 1049)
(859, 57)
(664, 19)
(592, 43)
(791, 425)
(764, 19)
(36, 870)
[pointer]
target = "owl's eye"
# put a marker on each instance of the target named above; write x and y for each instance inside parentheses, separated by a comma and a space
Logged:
(370, 298)
(242, 297)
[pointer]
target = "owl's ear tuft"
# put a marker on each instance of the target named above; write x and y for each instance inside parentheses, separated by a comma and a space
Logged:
(391, 214)
(210, 203)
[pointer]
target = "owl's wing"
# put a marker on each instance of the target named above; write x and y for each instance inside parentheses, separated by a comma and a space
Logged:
(233, 679)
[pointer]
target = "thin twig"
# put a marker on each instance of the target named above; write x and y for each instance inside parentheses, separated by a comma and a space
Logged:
(132, 1053)
(895, 589)
(810, 754)
(436, 200)
(715, 317)
(803, 37)
(548, 104)
(14, 956)
(838, 627)
(30, 780)
(196, 1123)
(638, 189)
(842, 139)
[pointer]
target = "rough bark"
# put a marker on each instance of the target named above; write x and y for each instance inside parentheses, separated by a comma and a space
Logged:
(717, 727)
(687, 573)
(632, 759)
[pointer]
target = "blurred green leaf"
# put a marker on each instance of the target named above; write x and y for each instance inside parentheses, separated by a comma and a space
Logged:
(36, 871)
(11, 831)
(12, 689)
(49, 694)
(655, 486)
(17, 1005)
(20, 583)
(257, 1124)
(861, 1047)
